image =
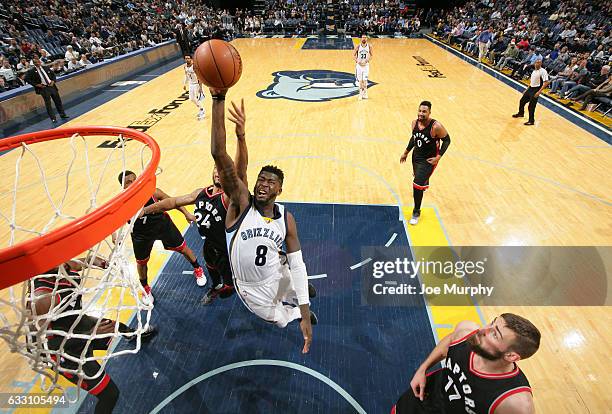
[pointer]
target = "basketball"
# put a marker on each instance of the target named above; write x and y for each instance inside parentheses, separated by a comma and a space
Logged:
(217, 64)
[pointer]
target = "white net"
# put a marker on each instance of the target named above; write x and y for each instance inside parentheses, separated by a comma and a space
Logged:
(57, 320)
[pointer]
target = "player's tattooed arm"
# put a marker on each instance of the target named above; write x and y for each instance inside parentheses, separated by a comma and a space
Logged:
(238, 117)
(232, 185)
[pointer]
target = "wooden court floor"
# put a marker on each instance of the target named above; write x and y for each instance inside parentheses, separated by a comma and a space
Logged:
(500, 183)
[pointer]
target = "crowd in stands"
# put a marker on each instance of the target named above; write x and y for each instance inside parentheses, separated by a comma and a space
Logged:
(573, 38)
(70, 35)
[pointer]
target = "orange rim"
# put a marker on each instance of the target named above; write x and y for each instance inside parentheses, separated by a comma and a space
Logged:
(35, 256)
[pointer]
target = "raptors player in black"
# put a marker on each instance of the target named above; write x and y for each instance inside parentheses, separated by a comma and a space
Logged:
(210, 211)
(479, 374)
(65, 285)
(158, 226)
(426, 136)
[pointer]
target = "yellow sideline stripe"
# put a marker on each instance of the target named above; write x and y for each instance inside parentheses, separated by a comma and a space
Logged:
(299, 43)
(429, 233)
(157, 260)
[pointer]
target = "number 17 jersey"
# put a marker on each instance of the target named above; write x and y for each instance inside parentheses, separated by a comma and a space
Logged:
(254, 244)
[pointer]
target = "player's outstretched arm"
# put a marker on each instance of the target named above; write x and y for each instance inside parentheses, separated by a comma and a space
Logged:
(160, 195)
(438, 354)
(238, 117)
(171, 203)
(300, 279)
(236, 190)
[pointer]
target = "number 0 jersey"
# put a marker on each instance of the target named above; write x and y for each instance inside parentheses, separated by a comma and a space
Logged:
(255, 242)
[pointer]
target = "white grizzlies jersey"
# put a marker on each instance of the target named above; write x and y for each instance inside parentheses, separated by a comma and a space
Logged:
(190, 75)
(254, 244)
(363, 54)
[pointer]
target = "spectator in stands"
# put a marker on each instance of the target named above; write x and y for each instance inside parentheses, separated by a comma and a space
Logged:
(70, 54)
(592, 83)
(58, 67)
(3, 86)
(511, 54)
(9, 75)
(564, 75)
(603, 90)
(84, 61)
(43, 81)
(183, 40)
(74, 64)
(23, 64)
(484, 40)
(578, 76)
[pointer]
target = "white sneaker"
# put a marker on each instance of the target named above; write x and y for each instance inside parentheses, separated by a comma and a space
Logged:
(200, 276)
(415, 218)
(201, 115)
(365, 95)
(147, 296)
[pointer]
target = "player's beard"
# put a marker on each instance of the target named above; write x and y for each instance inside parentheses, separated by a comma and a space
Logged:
(474, 343)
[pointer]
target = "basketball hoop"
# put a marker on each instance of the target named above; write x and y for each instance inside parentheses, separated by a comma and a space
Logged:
(40, 254)
(103, 291)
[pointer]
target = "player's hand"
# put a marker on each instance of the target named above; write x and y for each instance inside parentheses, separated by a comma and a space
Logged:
(215, 91)
(418, 384)
(403, 158)
(106, 326)
(434, 160)
(238, 117)
(306, 328)
(190, 218)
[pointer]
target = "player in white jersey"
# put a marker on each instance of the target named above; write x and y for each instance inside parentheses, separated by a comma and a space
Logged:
(362, 55)
(257, 228)
(196, 93)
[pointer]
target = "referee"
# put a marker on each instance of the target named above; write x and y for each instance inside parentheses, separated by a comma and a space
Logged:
(537, 83)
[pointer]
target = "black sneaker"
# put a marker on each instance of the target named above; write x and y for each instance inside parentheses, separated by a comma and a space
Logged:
(312, 292)
(313, 318)
(145, 336)
(518, 115)
(529, 123)
(210, 296)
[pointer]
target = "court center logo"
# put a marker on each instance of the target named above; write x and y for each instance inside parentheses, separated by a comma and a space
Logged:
(312, 85)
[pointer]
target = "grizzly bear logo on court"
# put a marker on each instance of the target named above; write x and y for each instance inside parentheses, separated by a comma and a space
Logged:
(311, 85)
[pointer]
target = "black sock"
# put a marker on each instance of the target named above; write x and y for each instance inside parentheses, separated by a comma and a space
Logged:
(195, 264)
(107, 399)
(144, 282)
(418, 198)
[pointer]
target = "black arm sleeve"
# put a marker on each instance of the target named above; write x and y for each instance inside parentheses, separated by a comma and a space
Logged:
(445, 144)
(410, 144)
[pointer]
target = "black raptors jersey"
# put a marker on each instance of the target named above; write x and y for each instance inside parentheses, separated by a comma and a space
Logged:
(65, 294)
(463, 389)
(425, 146)
(210, 215)
(147, 226)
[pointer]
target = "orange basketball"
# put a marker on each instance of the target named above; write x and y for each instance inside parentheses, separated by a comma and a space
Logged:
(217, 64)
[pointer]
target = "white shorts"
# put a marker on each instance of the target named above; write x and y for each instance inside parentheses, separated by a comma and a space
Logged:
(196, 94)
(362, 72)
(265, 299)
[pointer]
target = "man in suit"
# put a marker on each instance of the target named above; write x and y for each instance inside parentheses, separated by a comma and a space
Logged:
(182, 38)
(43, 81)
